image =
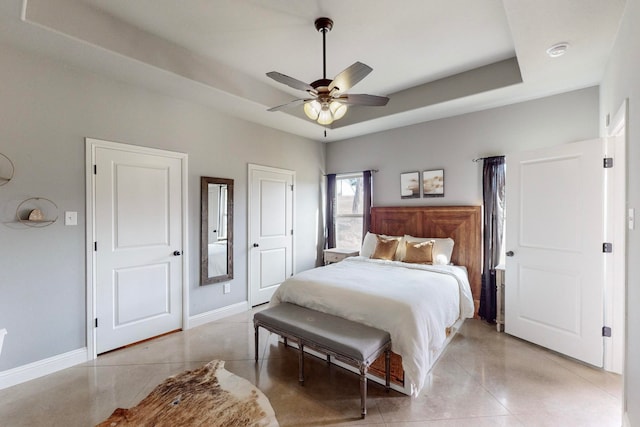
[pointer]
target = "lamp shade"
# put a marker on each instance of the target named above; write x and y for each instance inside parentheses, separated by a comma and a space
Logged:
(324, 112)
(312, 109)
(338, 109)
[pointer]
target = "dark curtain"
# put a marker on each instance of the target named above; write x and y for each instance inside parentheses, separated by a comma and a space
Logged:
(331, 211)
(493, 174)
(366, 201)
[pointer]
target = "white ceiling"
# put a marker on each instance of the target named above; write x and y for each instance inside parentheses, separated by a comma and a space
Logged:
(433, 58)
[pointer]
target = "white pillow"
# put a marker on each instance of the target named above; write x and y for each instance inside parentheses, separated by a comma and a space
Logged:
(369, 244)
(442, 248)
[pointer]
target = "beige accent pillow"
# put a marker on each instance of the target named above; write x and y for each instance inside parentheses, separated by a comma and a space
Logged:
(419, 252)
(385, 248)
(442, 248)
(370, 241)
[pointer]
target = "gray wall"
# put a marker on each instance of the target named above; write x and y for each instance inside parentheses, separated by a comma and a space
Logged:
(620, 82)
(451, 144)
(46, 110)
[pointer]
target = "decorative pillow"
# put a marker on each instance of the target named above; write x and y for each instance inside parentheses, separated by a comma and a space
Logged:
(368, 245)
(419, 252)
(442, 248)
(370, 241)
(385, 248)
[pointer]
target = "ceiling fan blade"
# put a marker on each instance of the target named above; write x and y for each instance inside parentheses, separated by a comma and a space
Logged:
(290, 81)
(293, 103)
(349, 77)
(363, 99)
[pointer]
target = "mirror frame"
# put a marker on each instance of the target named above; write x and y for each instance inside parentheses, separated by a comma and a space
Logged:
(204, 230)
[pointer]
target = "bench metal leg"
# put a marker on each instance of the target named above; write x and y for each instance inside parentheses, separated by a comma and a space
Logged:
(256, 340)
(363, 390)
(387, 370)
(301, 362)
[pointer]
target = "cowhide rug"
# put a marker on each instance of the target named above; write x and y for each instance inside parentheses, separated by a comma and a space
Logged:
(208, 396)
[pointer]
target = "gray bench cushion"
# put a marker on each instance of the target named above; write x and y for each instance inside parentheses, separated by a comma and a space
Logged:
(355, 340)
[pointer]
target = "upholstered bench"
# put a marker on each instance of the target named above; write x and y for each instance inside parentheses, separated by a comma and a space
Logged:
(347, 341)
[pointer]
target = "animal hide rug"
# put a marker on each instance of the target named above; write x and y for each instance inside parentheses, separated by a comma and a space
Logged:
(209, 396)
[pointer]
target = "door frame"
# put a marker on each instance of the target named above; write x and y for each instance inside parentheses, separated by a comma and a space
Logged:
(615, 231)
(91, 144)
(253, 167)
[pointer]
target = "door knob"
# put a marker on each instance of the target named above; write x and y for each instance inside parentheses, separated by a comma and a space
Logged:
(177, 253)
(255, 245)
(509, 253)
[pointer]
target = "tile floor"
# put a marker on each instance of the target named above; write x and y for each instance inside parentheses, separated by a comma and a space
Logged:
(483, 379)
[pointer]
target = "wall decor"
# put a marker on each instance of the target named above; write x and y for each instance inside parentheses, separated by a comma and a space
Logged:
(37, 212)
(410, 185)
(433, 183)
(6, 169)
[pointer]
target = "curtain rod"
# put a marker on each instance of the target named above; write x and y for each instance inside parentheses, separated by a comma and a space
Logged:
(483, 158)
(346, 173)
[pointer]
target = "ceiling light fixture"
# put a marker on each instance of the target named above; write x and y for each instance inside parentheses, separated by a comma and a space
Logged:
(324, 109)
(558, 49)
(328, 101)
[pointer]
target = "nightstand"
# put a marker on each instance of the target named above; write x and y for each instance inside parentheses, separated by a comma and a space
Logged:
(500, 298)
(336, 255)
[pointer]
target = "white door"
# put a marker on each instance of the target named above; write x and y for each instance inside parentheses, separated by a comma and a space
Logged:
(555, 274)
(270, 230)
(138, 243)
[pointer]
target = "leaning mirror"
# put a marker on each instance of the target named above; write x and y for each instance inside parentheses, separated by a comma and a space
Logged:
(216, 232)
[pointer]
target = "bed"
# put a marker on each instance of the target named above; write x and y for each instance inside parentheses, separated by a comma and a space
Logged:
(421, 306)
(217, 258)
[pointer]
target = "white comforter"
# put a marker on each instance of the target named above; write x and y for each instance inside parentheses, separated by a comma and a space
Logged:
(414, 303)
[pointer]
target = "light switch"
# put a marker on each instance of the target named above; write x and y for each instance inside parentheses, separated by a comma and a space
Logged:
(70, 218)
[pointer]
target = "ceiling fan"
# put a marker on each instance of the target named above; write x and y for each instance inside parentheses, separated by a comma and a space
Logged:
(328, 100)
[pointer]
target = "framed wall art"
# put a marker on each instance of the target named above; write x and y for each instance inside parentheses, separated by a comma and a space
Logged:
(433, 183)
(410, 185)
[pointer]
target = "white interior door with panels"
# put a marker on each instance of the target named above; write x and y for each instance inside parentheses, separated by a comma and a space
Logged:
(137, 239)
(554, 241)
(270, 234)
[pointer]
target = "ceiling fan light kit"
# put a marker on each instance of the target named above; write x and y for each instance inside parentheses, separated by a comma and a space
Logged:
(328, 100)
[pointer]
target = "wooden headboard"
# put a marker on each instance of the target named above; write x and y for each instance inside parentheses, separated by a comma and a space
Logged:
(462, 223)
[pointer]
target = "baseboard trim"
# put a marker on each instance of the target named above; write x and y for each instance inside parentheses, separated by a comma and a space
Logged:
(59, 362)
(42, 367)
(220, 313)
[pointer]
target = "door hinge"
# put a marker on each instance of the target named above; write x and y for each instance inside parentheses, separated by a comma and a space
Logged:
(96, 322)
(291, 187)
(608, 162)
(606, 331)
(607, 248)
(95, 169)
(292, 231)
(95, 246)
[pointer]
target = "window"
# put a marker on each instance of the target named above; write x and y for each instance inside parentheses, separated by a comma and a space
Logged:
(349, 211)
(222, 213)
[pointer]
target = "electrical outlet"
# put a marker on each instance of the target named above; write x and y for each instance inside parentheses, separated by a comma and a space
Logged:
(227, 288)
(632, 218)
